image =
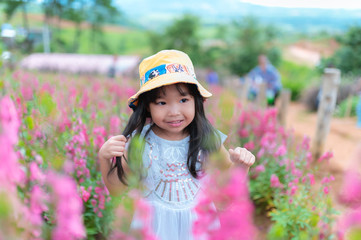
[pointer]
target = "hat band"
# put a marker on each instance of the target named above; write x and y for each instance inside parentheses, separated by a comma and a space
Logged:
(166, 69)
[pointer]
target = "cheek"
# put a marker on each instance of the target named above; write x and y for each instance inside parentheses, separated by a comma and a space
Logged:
(192, 110)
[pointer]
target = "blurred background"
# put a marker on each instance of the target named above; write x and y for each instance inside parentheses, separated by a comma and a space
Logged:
(299, 38)
(70, 66)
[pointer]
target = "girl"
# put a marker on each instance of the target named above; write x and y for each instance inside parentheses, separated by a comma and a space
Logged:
(177, 142)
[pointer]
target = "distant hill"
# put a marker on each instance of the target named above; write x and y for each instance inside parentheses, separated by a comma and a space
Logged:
(158, 13)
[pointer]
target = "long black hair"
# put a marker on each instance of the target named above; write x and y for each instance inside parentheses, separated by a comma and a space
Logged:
(203, 137)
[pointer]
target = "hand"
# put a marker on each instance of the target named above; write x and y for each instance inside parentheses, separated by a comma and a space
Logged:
(114, 147)
(242, 156)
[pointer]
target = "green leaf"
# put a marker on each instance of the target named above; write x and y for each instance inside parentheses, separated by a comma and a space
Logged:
(47, 104)
(353, 234)
(29, 122)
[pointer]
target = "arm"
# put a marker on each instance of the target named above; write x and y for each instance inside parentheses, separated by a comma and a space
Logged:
(115, 146)
(238, 156)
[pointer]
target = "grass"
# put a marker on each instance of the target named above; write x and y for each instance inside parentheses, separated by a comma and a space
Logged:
(113, 40)
(297, 77)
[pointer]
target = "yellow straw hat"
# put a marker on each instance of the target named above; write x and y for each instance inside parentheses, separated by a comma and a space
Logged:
(165, 68)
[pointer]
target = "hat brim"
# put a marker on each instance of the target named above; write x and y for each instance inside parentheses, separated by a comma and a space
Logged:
(164, 80)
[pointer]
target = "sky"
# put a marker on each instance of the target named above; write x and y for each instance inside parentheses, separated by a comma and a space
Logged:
(333, 4)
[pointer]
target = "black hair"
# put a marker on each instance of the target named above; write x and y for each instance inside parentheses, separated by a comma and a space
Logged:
(203, 137)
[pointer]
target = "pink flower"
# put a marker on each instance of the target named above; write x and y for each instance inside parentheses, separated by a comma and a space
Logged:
(260, 168)
(234, 196)
(325, 157)
(85, 195)
(351, 188)
(249, 146)
(69, 207)
(326, 190)
(243, 133)
(114, 125)
(100, 134)
(293, 190)
(84, 100)
(312, 178)
(275, 182)
(36, 174)
(281, 151)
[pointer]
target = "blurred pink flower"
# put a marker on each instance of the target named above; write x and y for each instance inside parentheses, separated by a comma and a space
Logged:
(85, 194)
(99, 136)
(84, 100)
(351, 188)
(326, 190)
(349, 220)
(293, 190)
(275, 182)
(234, 197)
(11, 172)
(326, 156)
(114, 125)
(36, 174)
(249, 146)
(68, 210)
(259, 168)
(281, 151)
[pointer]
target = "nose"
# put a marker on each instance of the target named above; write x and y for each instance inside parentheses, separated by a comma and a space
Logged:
(173, 110)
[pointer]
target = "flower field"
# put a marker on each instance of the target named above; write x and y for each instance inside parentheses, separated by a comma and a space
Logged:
(52, 127)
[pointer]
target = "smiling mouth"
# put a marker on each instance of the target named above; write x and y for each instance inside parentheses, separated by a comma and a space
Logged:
(175, 123)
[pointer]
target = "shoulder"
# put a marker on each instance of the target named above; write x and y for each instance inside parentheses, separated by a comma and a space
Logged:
(221, 135)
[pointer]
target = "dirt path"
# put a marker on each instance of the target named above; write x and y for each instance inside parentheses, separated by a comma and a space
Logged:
(342, 138)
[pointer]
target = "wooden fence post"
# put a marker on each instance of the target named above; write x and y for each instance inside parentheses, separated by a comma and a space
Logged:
(261, 96)
(243, 93)
(285, 99)
(331, 81)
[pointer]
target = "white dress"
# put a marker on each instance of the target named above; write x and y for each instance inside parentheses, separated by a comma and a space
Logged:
(171, 190)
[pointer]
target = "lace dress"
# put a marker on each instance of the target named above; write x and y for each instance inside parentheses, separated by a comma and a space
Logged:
(171, 190)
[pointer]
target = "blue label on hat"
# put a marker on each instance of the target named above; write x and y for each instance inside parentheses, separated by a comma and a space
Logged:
(155, 72)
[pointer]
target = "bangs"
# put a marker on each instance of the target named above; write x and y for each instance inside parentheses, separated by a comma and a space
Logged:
(153, 95)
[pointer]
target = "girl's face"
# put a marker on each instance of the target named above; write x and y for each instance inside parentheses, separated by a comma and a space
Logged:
(172, 111)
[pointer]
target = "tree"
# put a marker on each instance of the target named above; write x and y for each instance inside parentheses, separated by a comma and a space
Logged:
(12, 6)
(348, 57)
(252, 39)
(182, 35)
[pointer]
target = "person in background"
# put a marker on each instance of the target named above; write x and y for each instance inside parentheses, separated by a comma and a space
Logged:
(265, 72)
(212, 77)
(112, 71)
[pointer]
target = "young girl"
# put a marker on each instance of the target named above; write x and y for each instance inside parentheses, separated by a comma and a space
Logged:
(177, 142)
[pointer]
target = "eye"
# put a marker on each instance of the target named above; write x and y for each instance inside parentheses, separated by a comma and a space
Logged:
(184, 100)
(160, 103)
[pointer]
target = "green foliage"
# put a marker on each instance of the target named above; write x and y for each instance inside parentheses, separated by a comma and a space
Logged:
(252, 39)
(182, 34)
(354, 234)
(351, 103)
(348, 57)
(297, 78)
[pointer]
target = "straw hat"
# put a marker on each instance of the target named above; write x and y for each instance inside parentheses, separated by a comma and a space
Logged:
(165, 68)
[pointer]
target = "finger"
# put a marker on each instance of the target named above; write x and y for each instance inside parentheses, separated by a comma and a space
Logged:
(253, 160)
(121, 138)
(238, 150)
(117, 154)
(117, 143)
(118, 149)
(243, 154)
